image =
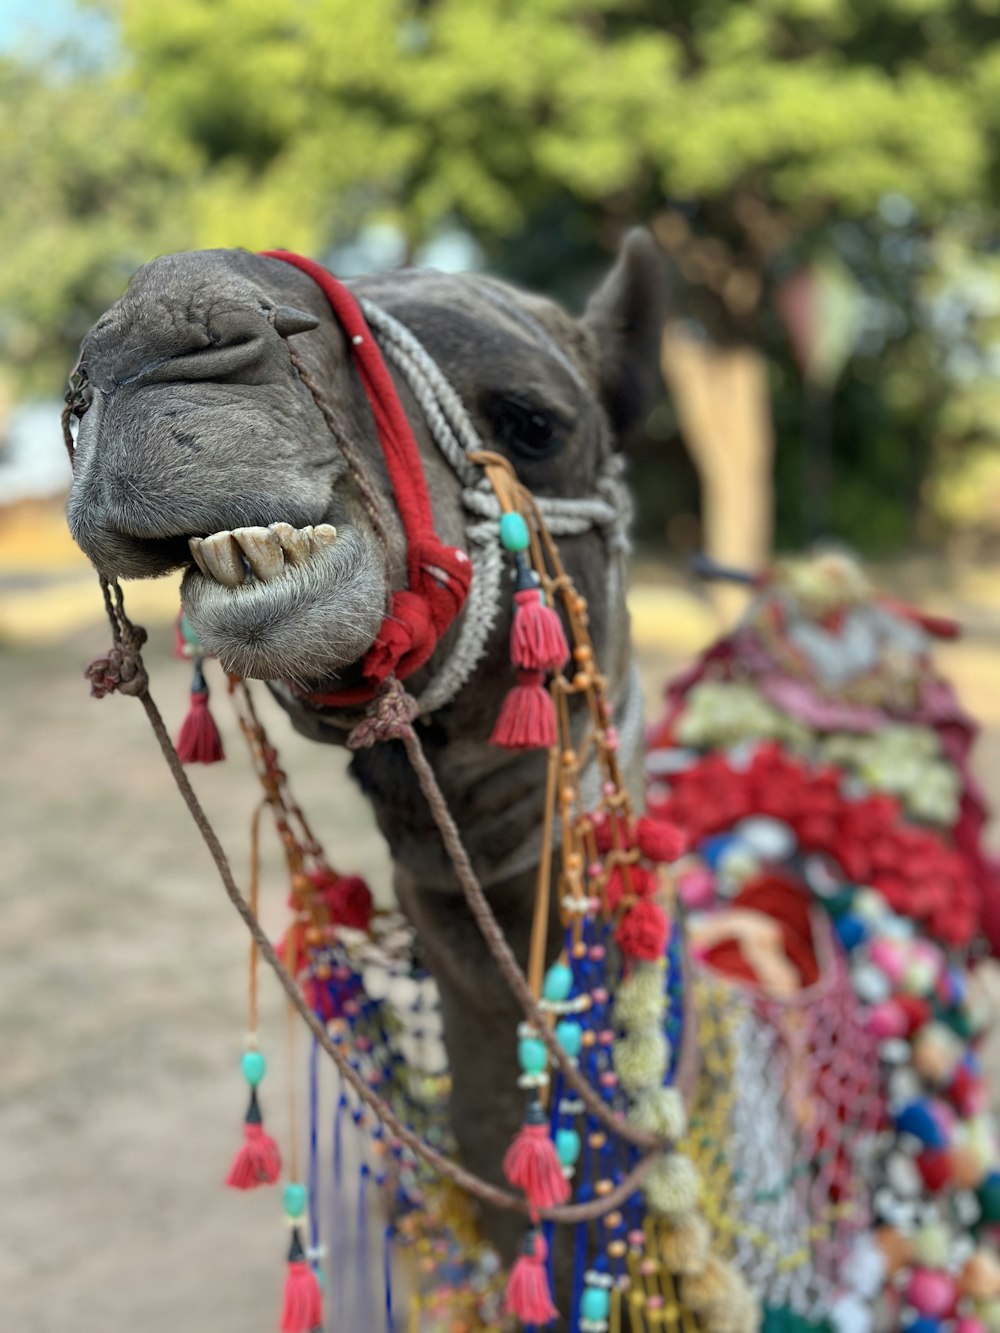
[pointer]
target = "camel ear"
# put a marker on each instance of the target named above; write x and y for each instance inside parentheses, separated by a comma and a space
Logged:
(626, 316)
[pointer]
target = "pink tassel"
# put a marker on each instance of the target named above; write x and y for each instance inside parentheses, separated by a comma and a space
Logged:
(302, 1307)
(537, 641)
(258, 1162)
(528, 1295)
(531, 1163)
(527, 718)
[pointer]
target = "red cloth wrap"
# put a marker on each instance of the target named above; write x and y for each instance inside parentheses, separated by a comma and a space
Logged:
(438, 576)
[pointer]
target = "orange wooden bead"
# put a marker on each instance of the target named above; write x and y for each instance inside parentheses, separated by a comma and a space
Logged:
(896, 1249)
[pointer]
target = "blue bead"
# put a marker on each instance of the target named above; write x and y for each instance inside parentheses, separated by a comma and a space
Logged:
(558, 982)
(514, 532)
(569, 1037)
(596, 1303)
(922, 1324)
(532, 1055)
(567, 1146)
(851, 930)
(253, 1065)
(295, 1198)
(916, 1119)
(711, 849)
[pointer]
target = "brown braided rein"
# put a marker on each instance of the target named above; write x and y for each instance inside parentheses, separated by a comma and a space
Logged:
(389, 717)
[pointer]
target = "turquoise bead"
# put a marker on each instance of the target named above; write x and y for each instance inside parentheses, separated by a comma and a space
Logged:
(253, 1065)
(558, 982)
(596, 1303)
(532, 1055)
(569, 1037)
(567, 1146)
(295, 1199)
(514, 532)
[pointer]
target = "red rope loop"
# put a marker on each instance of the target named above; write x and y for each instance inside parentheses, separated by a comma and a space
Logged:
(438, 576)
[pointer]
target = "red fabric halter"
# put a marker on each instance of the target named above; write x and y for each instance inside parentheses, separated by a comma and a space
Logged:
(438, 576)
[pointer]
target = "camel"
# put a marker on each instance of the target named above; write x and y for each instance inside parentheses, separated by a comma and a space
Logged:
(223, 429)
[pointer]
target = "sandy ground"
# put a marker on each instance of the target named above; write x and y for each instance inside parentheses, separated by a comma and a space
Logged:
(122, 972)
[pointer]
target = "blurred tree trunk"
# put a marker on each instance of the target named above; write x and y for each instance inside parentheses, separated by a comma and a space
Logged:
(722, 402)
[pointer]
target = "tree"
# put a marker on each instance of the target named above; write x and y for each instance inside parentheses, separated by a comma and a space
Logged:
(743, 129)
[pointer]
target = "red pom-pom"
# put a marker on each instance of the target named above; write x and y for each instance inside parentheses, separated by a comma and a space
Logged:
(640, 881)
(531, 1163)
(643, 931)
(347, 898)
(658, 840)
(528, 1295)
(537, 641)
(198, 741)
(935, 1169)
(917, 1011)
(527, 719)
(258, 1162)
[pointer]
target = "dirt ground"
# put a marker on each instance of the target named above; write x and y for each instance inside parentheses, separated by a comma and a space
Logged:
(123, 971)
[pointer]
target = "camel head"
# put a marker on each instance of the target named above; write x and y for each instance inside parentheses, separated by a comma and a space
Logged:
(199, 396)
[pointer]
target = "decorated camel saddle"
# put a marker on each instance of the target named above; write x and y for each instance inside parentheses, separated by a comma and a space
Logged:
(707, 1067)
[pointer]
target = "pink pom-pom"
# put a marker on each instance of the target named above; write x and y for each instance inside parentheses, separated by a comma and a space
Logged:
(537, 640)
(531, 1163)
(930, 1292)
(527, 719)
(528, 1295)
(258, 1162)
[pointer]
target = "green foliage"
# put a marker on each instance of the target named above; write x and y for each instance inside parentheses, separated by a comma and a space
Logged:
(541, 126)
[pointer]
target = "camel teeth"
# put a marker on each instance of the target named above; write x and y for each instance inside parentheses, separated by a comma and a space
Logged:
(324, 534)
(222, 557)
(294, 542)
(263, 551)
(194, 546)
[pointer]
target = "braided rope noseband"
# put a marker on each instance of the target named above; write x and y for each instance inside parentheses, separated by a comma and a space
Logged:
(609, 510)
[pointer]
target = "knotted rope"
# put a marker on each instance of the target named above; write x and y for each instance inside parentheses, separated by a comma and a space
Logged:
(123, 671)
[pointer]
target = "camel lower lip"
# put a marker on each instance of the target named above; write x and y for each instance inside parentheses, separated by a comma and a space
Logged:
(302, 621)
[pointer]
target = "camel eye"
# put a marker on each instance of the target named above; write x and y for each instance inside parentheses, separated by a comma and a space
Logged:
(79, 394)
(527, 430)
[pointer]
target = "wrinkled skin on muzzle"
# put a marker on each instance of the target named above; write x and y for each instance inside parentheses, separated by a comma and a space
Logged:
(197, 425)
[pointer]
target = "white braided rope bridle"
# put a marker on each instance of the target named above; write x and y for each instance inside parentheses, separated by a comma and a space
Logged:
(609, 510)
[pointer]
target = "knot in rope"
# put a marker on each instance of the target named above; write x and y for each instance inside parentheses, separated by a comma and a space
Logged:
(390, 717)
(121, 670)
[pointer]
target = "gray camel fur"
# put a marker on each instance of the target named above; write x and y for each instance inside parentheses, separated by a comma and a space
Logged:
(193, 421)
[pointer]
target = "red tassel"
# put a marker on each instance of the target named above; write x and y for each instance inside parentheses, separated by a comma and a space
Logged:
(258, 1162)
(302, 1307)
(537, 641)
(527, 719)
(198, 741)
(528, 1295)
(531, 1163)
